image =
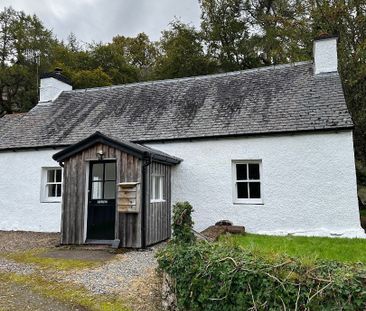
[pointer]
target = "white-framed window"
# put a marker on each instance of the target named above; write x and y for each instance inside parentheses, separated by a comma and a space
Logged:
(247, 183)
(157, 188)
(51, 190)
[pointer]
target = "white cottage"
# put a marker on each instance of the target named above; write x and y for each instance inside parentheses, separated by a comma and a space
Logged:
(268, 148)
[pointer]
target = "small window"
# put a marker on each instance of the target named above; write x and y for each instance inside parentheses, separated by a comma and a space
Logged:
(157, 188)
(51, 184)
(247, 186)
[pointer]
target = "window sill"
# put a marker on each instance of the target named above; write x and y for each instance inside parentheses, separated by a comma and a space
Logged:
(254, 202)
(51, 201)
(157, 201)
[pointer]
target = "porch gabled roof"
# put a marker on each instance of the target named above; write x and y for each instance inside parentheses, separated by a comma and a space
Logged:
(137, 150)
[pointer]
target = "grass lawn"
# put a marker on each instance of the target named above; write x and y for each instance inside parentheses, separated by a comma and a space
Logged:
(306, 248)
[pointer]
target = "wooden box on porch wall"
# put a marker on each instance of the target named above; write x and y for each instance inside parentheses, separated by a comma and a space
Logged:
(127, 197)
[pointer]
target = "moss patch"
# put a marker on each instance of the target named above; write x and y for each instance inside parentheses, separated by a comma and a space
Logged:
(67, 293)
(36, 257)
(308, 249)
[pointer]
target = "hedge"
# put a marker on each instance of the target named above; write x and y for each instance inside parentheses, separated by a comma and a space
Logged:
(218, 276)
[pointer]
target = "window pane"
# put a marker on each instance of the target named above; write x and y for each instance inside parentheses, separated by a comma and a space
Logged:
(97, 190)
(242, 190)
(97, 171)
(157, 188)
(152, 188)
(161, 179)
(109, 190)
(241, 171)
(50, 175)
(58, 175)
(254, 171)
(58, 190)
(51, 190)
(110, 171)
(255, 190)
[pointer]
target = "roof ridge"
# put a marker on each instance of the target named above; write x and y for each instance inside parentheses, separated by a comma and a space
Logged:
(223, 74)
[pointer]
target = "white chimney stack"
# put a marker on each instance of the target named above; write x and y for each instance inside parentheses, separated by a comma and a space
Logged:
(325, 54)
(52, 85)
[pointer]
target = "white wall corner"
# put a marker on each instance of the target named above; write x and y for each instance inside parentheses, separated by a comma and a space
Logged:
(325, 55)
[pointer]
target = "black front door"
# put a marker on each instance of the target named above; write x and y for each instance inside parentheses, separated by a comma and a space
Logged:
(102, 200)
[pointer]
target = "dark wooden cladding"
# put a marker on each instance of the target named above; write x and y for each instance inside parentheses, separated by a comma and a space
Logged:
(128, 226)
(158, 214)
(75, 196)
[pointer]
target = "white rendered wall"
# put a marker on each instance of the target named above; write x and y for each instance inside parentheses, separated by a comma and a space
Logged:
(20, 198)
(51, 88)
(325, 55)
(309, 183)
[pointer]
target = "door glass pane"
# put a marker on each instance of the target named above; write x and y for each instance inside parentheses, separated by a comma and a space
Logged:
(97, 172)
(254, 171)
(255, 190)
(242, 190)
(58, 175)
(109, 190)
(97, 188)
(241, 171)
(50, 175)
(110, 171)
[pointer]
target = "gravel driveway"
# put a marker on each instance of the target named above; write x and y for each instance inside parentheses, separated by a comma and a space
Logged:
(116, 275)
(130, 274)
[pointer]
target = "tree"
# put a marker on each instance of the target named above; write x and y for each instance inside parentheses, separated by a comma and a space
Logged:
(23, 39)
(283, 32)
(113, 63)
(89, 78)
(226, 30)
(139, 52)
(182, 53)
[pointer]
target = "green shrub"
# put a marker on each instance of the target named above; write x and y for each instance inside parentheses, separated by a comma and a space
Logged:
(225, 277)
(183, 223)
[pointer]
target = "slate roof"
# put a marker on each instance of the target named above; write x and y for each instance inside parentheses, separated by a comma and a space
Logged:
(287, 98)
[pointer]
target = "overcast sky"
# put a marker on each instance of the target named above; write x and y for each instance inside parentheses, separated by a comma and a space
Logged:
(100, 20)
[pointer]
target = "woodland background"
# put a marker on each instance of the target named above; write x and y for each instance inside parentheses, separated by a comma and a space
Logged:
(234, 35)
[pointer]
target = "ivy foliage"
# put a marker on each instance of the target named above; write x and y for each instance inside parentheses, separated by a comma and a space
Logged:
(225, 277)
(183, 223)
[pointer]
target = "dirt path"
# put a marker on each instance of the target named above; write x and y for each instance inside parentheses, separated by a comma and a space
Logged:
(15, 297)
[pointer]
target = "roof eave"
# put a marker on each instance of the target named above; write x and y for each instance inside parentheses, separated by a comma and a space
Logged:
(98, 137)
